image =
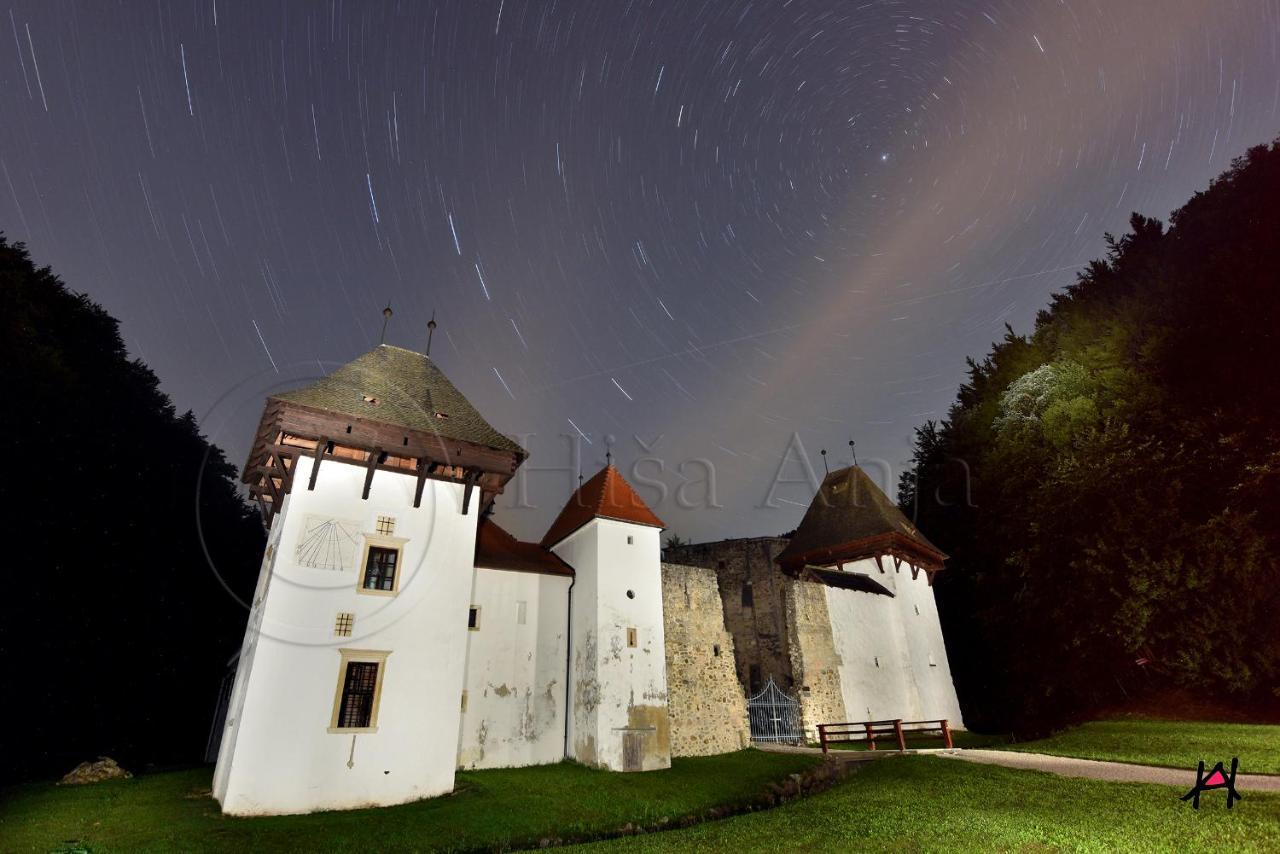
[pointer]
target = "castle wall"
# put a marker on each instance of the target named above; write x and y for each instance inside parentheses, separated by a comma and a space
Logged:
(280, 753)
(707, 706)
(759, 629)
(513, 713)
(816, 661)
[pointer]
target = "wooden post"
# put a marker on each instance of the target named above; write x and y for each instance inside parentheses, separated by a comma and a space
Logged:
(871, 736)
(946, 734)
(822, 736)
(424, 465)
(902, 740)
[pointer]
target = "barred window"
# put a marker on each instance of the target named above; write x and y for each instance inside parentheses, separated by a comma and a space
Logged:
(356, 708)
(344, 623)
(380, 568)
(386, 525)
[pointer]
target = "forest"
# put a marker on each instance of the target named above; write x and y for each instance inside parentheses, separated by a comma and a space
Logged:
(1108, 485)
(116, 628)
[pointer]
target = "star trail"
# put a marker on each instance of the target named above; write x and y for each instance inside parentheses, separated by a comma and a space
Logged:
(704, 234)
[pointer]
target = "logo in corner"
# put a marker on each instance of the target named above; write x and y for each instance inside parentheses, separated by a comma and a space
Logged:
(1218, 778)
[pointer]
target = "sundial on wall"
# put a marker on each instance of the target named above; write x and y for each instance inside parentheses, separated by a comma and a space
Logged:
(328, 543)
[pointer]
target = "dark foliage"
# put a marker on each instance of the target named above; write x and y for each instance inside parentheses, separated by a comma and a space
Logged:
(1109, 486)
(115, 630)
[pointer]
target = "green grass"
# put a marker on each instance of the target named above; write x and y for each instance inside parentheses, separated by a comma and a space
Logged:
(1173, 744)
(927, 803)
(490, 809)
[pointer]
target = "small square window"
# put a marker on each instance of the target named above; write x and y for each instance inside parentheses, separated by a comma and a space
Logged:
(932, 663)
(917, 610)
(631, 637)
(380, 569)
(344, 623)
(715, 650)
(473, 618)
(630, 539)
(386, 525)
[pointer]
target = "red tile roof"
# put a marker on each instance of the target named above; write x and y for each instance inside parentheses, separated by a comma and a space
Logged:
(496, 549)
(608, 496)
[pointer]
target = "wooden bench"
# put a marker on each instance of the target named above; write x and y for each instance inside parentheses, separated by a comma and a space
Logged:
(869, 731)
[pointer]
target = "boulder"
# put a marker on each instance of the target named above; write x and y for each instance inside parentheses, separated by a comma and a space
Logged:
(105, 768)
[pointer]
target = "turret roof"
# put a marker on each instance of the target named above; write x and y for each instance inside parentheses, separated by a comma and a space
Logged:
(607, 495)
(400, 387)
(850, 518)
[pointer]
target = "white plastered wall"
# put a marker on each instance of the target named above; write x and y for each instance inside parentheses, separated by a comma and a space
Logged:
(515, 679)
(617, 689)
(278, 754)
(893, 663)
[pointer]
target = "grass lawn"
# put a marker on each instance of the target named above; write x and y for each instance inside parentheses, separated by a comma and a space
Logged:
(490, 809)
(927, 803)
(1174, 744)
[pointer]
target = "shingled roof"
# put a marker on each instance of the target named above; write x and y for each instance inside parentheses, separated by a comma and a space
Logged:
(400, 387)
(851, 518)
(496, 549)
(607, 495)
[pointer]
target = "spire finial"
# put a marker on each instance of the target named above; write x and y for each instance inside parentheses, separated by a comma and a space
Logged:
(386, 318)
(608, 451)
(853, 452)
(431, 330)
(824, 461)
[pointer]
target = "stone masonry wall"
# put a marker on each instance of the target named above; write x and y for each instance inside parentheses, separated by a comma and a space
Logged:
(758, 626)
(814, 660)
(707, 709)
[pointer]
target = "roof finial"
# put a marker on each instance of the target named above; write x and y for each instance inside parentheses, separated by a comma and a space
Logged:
(854, 452)
(608, 451)
(431, 330)
(386, 318)
(824, 461)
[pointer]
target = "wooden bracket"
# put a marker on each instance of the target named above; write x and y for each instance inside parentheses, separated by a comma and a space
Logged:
(472, 476)
(321, 444)
(897, 563)
(372, 466)
(424, 466)
(880, 564)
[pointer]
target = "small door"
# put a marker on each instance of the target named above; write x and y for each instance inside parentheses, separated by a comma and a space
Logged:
(633, 751)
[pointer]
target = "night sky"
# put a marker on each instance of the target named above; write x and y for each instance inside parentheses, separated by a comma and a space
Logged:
(723, 227)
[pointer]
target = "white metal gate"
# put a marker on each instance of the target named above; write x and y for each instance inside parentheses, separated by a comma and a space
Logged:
(774, 716)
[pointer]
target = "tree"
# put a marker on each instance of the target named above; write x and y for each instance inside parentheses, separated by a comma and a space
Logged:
(115, 629)
(1108, 486)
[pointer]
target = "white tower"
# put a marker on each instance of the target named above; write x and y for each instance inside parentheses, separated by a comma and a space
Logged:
(349, 684)
(618, 678)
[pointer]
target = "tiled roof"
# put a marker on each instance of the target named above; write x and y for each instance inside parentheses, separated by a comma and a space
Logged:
(496, 549)
(851, 517)
(607, 495)
(397, 386)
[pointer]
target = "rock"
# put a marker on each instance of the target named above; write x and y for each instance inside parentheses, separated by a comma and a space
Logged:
(105, 768)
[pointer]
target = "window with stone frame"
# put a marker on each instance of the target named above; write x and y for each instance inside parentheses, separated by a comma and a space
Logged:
(380, 568)
(360, 677)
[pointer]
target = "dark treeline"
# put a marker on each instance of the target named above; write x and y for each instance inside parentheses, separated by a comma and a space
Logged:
(1108, 487)
(115, 631)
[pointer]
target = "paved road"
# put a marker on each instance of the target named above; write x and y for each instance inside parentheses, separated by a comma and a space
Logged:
(1119, 772)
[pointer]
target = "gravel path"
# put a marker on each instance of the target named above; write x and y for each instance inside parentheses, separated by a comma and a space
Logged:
(1119, 772)
(1116, 772)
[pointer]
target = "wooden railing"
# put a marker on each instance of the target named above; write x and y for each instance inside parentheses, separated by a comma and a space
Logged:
(869, 731)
